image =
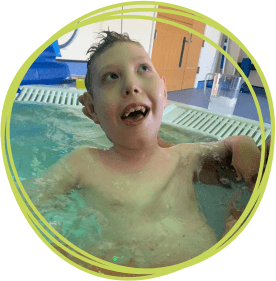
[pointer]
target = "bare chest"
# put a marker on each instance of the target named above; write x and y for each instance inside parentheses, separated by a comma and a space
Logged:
(160, 186)
(152, 214)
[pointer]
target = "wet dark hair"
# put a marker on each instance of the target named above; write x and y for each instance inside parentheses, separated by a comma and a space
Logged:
(109, 38)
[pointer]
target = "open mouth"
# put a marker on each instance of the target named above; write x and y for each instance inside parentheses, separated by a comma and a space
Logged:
(134, 113)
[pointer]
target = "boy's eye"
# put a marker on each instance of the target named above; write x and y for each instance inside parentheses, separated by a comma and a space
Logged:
(143, 67)
(110, 77)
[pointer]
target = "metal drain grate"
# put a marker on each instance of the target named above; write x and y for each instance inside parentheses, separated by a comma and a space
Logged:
(211, 124)
(189, 117)
(48, 95)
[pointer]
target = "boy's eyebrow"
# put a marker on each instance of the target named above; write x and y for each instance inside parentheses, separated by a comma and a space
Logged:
(133, 60)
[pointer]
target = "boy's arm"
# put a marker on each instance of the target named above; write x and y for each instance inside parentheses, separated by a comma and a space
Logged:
(235, 158)
(246, 157)
(58, 179)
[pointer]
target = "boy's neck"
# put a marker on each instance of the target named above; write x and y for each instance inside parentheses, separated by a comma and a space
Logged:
(129, 155)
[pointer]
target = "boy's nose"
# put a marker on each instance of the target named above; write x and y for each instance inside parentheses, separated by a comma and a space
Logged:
(131, 86)
(132, 90)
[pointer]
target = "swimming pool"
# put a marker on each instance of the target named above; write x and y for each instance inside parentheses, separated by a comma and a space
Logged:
(42, 134)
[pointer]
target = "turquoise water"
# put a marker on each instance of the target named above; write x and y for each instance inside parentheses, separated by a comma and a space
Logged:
(42, 134)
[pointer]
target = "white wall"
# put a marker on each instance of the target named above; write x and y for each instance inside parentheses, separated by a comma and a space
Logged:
(140, 30)
(210, 58)
(254, 77)
(86, 36)
(209, 55)
(233, 51)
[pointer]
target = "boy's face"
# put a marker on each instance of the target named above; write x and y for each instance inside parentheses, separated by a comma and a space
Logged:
(129, 96)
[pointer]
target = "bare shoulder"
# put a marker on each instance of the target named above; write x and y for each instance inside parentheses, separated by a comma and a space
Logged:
(210, 162)
(75, 162)
(67, 172)
(203, 150)
(189, 155)
(82, 155)
(188, 149)
(84, 151)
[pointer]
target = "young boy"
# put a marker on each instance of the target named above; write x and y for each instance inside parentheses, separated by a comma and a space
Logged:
(142, 187)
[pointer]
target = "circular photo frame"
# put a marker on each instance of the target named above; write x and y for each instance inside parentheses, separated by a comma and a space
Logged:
(63, 248)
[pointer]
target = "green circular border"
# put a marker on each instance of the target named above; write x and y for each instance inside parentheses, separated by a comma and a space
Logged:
(30, 60)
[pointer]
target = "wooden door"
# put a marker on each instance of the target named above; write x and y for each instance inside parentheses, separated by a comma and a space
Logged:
(168, 46)
(193, 54)
(173, 55)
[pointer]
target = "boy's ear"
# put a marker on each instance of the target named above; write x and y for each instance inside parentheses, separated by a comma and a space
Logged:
(89, 105)
(165, 91)
(164, 80)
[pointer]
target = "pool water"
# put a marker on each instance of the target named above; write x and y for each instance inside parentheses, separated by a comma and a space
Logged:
(42, 134)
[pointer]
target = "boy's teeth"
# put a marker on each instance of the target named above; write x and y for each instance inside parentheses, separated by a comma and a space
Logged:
(137, 108)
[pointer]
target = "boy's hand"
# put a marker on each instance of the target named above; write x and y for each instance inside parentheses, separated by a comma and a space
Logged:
(85, 101)
(246, 157)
